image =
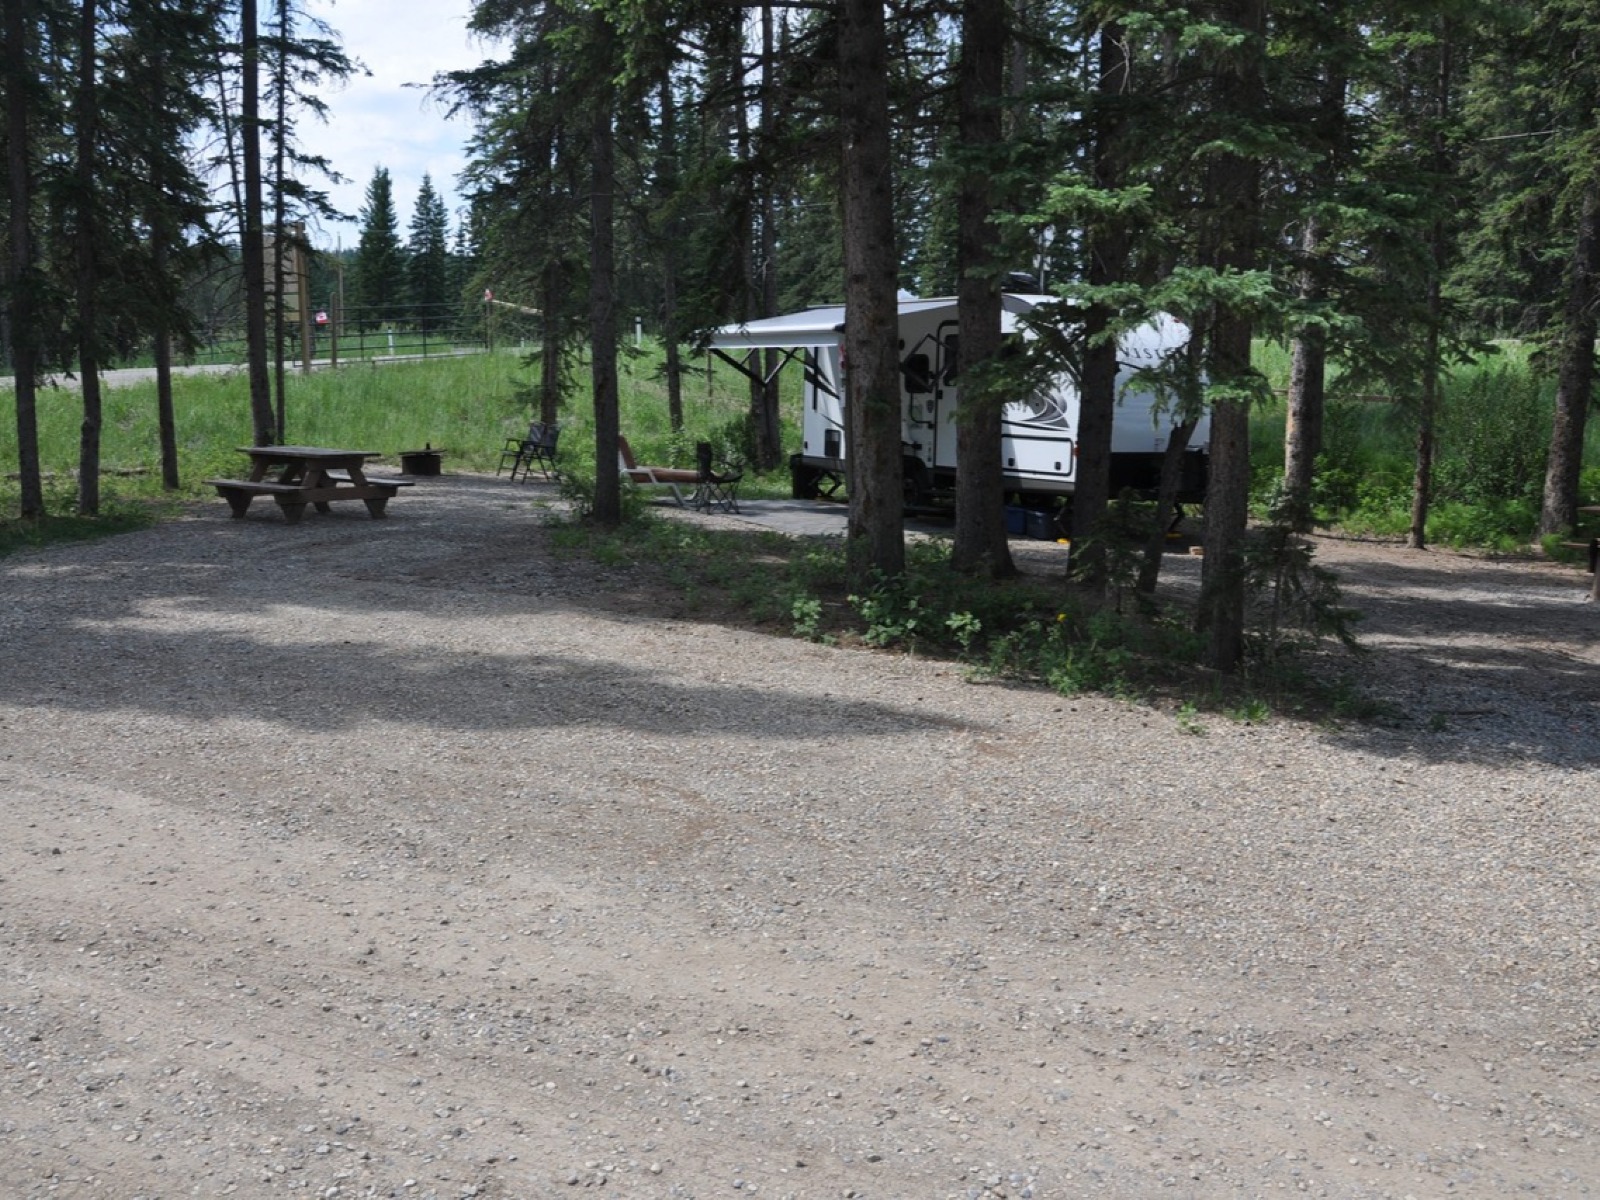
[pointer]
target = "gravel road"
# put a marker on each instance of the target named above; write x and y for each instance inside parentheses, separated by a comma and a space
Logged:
(407, 858)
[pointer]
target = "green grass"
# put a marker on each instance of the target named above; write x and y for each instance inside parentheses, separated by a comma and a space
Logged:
(1491, 437)
(465, 405)
(1018, 630)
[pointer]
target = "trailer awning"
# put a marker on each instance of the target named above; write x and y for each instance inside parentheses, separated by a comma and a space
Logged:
(825, 326)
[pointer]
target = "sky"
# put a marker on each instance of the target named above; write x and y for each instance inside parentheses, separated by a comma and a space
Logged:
(376, 120)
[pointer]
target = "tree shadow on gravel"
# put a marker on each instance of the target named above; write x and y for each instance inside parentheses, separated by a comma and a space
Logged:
(1480, 660)
(1466, 664)
(342, 620)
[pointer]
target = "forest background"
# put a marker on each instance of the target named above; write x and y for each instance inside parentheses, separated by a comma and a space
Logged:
(1386, 191)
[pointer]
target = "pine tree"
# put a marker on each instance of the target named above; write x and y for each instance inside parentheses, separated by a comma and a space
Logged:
(23, 283)
(428, 258)
(379, 273)
(1535, 110)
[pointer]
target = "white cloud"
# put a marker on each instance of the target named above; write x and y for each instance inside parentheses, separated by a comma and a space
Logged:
(383, 119)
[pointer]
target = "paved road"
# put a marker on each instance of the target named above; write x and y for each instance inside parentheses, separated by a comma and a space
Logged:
(128, 376)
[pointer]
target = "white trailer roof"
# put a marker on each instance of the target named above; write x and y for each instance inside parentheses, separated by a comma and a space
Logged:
(825, 326)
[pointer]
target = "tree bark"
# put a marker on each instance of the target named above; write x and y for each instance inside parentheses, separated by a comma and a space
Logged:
(1233, 188)
(875, 539)
(1108, 263)
(1302, 431)
(768, 430)
(980, 546)
(1427, 414)
(602, 292)
(252, 237)
(87, 106)
(1432, 367)
(1575, 374)
(1308, 356)
(280, 246)
(23, 272)
(1227, 506)
(666, 177)
(159, 222)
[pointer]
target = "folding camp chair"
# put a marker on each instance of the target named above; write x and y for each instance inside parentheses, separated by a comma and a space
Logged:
(538, 449)
(715, 491)
(540, 452)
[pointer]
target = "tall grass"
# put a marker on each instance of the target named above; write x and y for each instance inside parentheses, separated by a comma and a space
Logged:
(1491, 437)
(1493, 428)
(467, 406)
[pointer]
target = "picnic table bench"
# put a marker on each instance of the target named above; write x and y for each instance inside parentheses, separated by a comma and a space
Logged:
(302, 475)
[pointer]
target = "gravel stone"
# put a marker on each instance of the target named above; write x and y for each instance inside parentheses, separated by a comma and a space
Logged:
(416, 857)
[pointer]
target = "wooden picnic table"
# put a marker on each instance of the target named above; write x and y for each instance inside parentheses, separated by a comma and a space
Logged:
(296, 476)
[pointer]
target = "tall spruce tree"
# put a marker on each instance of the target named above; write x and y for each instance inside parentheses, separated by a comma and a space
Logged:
(87, 255)
(379, 273)
(252, 233)
(428, 258)
(19, 76)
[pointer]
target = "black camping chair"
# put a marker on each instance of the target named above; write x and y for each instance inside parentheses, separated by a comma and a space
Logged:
(715, 491)
(540, 452)
(537, 450)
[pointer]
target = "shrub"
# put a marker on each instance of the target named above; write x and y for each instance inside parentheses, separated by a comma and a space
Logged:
(1494, 434)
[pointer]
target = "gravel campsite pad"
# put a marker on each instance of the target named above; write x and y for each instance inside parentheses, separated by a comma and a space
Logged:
(410, 858)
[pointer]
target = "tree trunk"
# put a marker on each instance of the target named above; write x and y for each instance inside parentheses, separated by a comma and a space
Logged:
(166, 420)
(1227, 508)
(666, 178)
(252, 236)
(1575, 374)
(1308, 355)
(1302, 431)
(875, 541)
(602, 294)
(1233, 188)
(280, 150)
(1432, 366)
(23, 273)
(160, 225)
(1427, 415)
(553, 302)
(980, 546)
(87, 103)
(1108, 263)
(768, 431)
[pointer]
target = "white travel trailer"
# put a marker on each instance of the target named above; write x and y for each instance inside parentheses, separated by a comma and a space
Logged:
(1038, 432)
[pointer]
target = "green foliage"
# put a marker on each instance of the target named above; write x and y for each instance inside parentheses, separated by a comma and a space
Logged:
(379, 278)
(1252, 711)
(1494, 434)
(1499, 525)
(807, 613)
(427, 255)
(1491, 441)
(1188, 719)
(893, 613)
(1296, 602)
